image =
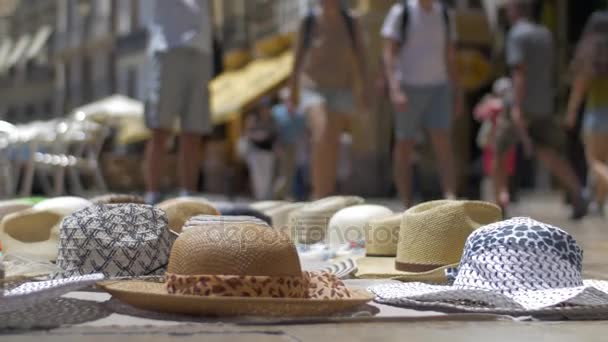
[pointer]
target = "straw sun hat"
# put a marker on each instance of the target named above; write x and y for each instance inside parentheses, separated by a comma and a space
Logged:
(347, 228)
(238, 267)
(516, 267)
(431, 239)
(34, 233)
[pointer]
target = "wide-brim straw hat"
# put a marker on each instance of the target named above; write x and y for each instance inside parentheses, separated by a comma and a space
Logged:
(431, 240)
(180, 210)
(518, 267)
(349, 226)
(34, 232)
(308, 225)
(279, 215)
(237, 266)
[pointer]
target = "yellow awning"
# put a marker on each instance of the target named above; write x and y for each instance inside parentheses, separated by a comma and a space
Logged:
(234, 91)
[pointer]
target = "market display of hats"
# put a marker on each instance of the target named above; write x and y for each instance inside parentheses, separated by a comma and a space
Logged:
(308, 225)
(238, 270)
(118, 240)
(240, 209)
(431, 239)
(518, 267)
(179, 210)
(348, 227)
(33, 293)
(117, 198)
(34, 232)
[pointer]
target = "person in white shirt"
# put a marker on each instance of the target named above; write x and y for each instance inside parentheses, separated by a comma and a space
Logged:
(419, 58)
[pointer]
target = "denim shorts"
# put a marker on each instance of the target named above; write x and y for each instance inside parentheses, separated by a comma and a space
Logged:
(595, 121)
(428, 108)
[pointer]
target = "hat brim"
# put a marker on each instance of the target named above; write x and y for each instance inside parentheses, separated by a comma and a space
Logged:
(584, 302)
(154, 297)
(384, 268)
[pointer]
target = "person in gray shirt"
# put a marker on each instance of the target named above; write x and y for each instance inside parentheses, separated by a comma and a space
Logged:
(180, 49)
(530, 56)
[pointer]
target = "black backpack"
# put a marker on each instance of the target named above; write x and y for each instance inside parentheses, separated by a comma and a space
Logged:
(405, 20)
(309, 24)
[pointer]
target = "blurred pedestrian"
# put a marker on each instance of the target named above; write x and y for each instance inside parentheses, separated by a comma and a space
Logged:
(530, 55)
(181, 49)
(591, 85)
(330, 59)
(291, 127)
(419, 58)
(261, 135)
(493, 111)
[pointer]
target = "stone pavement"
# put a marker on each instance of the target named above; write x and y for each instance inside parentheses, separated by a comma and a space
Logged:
(591, 233)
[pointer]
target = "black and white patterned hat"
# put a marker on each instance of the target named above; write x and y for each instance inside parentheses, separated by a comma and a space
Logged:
(118, 240)
(518, 266)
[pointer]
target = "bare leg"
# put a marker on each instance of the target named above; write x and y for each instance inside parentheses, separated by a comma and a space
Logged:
(445, 159)
(325, 141)
(155, 154)
(402, 170)
(596, 148)
(189, 160)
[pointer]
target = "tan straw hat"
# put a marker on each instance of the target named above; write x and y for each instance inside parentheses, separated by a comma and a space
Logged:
(229, 268)
(308, 225)
(280, 215)
(34, 232)
(179, 210)
(13, 206)
(264, 206)
(431, 239)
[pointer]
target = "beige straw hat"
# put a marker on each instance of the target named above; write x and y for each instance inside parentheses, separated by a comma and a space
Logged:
(231, 268)
(308, 225)
(264, 206)
(34, 232)
(179, 210)
(431, 239)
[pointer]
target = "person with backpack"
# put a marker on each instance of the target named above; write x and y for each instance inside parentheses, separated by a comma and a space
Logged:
(420, 67)
(329, 61)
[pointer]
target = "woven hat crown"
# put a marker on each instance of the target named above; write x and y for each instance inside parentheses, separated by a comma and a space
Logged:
(520, 254)
(383, 236)
(222, 246)
(433, 234)
(119, 240)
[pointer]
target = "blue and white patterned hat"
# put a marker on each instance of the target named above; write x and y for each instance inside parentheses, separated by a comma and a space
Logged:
(518, 266)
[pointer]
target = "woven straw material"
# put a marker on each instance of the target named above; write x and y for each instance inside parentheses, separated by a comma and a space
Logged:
(239, 209)
(233, 247)
(383, 236)
(433, 234)
(243, 249)
(179, 210)
(118, 240)
(308, 225)
(264, 206)
(209, 221)
(117, 199)
(350, 225)
(154, 297)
